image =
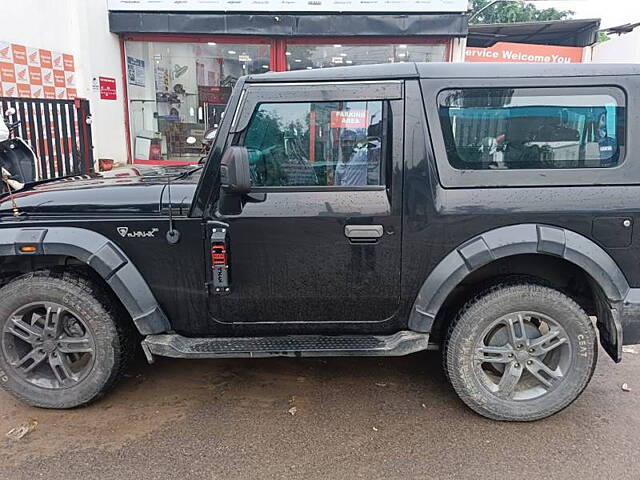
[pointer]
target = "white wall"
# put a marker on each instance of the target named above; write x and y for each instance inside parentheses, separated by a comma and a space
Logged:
(80, 28)
(619, 49)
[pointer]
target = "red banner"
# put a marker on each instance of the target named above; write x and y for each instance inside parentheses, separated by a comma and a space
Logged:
(524, 53)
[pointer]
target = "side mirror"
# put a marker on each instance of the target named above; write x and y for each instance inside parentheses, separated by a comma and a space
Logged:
(235, 180)
(234, 171)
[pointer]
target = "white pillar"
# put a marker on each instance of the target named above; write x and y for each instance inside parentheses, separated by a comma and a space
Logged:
(458, 49)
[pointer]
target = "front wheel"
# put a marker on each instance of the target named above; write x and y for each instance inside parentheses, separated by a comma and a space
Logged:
(520, 352)
(61, 344)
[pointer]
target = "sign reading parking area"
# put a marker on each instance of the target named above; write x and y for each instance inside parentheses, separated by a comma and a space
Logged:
(349, 119)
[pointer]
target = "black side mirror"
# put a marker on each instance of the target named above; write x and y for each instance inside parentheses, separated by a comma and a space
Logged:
(234, 171)
(235, 180)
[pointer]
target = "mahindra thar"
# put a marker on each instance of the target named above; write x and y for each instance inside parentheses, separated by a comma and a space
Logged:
(484, 211)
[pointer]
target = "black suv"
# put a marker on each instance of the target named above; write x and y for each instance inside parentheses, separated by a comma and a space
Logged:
(484, 210)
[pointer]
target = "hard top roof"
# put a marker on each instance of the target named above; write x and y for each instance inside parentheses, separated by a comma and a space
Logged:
(390, 71)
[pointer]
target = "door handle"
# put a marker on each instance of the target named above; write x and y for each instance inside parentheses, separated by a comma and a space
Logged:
(363, 232)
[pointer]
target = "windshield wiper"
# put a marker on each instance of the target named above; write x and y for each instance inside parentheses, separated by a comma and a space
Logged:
(188, 173)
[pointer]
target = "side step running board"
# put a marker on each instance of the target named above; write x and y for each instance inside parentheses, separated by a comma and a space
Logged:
(177, 346)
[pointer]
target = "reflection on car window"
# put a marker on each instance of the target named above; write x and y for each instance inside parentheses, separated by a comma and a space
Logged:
(503, 128)
(315, 144)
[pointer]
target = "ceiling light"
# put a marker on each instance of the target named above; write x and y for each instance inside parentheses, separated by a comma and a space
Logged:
(231, 52)
(402, 46)
(287, 53)
(297, 60)
(343, 54)
(337, 45)
(402, 55)
(265, 66)
(211, 43)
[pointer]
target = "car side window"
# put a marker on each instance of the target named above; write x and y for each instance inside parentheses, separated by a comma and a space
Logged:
(525, 128)
(315, 144)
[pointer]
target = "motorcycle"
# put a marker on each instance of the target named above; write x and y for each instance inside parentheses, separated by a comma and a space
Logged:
(17, 159)
(207, 140)
(207, 143)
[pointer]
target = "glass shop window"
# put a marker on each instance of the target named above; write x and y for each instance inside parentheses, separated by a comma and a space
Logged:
(180, 90)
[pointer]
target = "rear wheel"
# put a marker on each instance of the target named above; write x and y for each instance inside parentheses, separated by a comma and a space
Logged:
(520, 352)
(61, 343)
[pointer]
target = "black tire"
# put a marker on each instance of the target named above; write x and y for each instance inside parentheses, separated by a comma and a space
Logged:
(495, 333)
(87, 330)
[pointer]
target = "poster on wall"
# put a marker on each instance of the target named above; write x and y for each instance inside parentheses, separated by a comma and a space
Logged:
(290, 5)
(135, 71)
(107, 88)
(161, 79)
(30, 72)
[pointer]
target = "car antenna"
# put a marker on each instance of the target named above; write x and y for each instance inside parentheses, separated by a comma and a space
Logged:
(14, 205)
(173, 235)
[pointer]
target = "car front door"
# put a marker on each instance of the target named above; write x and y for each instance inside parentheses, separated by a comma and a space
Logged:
(318, 239)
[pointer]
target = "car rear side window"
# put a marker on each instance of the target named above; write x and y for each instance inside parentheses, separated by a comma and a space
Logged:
(316, 144)
(533, 128)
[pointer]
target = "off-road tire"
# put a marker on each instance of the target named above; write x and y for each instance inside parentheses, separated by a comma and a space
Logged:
(111, 329)
(477, 314)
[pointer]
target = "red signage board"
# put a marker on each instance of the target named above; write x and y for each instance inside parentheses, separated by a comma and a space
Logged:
(107, 88)
(215, 95)
(524, 53)
(349, 119)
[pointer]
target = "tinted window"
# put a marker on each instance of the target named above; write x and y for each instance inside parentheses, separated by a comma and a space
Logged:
(315, 144)
(502, 128)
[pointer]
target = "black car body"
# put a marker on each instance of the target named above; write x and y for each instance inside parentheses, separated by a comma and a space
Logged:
(384, 259)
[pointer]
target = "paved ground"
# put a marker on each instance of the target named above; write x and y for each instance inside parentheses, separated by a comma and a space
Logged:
(355, 418)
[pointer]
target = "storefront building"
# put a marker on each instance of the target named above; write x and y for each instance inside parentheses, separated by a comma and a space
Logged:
(182, 58)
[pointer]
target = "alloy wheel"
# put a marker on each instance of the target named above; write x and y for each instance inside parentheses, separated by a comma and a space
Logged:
(48, 345)
(522, 356)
